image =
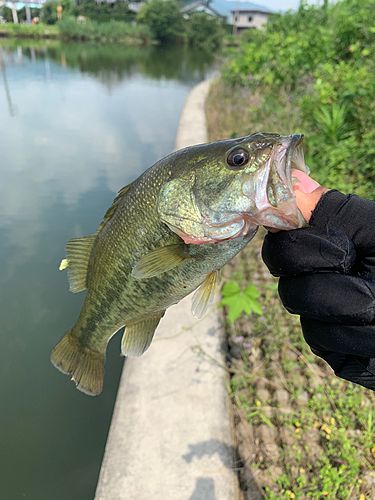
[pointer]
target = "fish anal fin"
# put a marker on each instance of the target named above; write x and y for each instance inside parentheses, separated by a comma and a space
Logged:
(112, 209)
(138, 336)
(85, 366)
(160, 260)
(205, 295)
(78, 252)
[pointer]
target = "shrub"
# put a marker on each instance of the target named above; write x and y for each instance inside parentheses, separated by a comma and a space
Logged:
(322, 58)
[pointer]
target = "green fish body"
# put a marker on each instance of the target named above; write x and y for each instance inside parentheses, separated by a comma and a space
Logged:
(168, 233)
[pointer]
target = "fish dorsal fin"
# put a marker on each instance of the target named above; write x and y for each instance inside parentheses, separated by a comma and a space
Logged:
(205, 295)
(138, 337)
(78, 252)
(112, 209)
(160, 260)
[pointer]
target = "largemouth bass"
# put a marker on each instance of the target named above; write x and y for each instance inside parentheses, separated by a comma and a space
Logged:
(168, 233)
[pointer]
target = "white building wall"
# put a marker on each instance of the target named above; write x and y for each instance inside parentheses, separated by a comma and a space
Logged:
(241, 19)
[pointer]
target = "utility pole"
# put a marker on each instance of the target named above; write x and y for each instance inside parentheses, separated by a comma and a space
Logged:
(28, 13)
(236, 16)
(14, 13)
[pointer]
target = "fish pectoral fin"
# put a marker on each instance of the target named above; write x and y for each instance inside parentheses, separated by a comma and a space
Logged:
(205, 295)
(138, 336)
(160, 260)
(78, 252)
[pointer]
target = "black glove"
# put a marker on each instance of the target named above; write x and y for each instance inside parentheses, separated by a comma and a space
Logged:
(327, 276)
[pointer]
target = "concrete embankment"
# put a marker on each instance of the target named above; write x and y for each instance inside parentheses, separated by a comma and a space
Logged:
(170, 434)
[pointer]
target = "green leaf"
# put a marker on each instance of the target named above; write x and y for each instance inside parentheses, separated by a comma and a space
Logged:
(251, 292)
(256, 307)
(235, 307)
(239, 302)
(230, 289)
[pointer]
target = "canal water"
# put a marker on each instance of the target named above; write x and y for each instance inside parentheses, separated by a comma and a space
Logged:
(78, 122)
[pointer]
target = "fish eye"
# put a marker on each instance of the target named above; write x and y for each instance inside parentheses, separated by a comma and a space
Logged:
(238, 158)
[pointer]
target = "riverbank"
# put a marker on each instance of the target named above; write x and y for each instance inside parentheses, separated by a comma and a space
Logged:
(300, 431)
(70, 30)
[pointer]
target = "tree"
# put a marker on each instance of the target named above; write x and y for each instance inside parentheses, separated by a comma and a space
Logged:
(204, 31)
(164, 18)
(49, 13)
(103, 11)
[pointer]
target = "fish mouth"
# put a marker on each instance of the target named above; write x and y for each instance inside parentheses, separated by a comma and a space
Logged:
(271, 187)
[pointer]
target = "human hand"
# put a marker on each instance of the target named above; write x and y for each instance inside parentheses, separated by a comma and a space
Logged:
(307, 192)
(327, 276)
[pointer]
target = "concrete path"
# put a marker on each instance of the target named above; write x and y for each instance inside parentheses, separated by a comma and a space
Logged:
(170, 434)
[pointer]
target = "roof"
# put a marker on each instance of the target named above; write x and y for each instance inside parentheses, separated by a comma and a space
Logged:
(251, 11)
(225, 7)
(199, 6)
(37, 4)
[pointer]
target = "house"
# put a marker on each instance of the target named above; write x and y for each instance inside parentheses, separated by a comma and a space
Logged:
(241, 14)
(243, 19)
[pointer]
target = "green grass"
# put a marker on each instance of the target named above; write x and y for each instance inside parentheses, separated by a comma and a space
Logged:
(30, 31)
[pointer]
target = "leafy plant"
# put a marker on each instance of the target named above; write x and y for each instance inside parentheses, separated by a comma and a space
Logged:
(240, 301)
(331, 122)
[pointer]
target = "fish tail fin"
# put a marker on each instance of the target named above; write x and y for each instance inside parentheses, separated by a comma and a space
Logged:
(84, 365)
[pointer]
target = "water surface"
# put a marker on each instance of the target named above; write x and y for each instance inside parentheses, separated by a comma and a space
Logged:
(78, 122)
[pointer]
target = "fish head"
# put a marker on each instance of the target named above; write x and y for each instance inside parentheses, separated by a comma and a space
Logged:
(226, 189)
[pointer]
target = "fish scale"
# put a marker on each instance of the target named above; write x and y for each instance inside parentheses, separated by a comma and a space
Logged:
(166, 234)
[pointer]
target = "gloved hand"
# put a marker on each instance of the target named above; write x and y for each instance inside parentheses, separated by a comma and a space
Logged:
(327, 276)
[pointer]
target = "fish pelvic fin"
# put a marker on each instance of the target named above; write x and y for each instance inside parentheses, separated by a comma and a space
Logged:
(160, 260)
(78, 252)
(205, 295)
(138, 336)
(84, 365)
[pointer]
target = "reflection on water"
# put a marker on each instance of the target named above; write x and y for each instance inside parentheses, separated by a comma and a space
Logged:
(5, 82)
(78, 122)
